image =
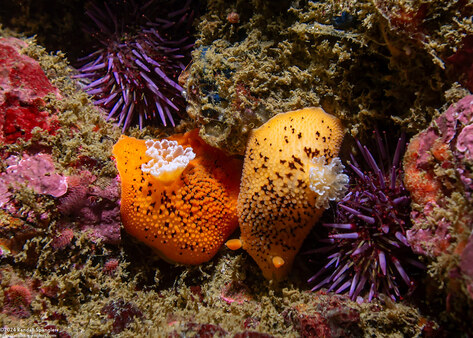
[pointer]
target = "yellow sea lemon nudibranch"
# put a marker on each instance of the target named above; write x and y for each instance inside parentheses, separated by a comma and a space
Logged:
(179, 195)
(290, 173)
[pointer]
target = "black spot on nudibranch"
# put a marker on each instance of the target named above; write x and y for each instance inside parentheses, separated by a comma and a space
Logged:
(297, 160)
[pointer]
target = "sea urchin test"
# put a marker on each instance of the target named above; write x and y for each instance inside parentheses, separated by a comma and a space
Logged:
(179, 195)
(290, 173)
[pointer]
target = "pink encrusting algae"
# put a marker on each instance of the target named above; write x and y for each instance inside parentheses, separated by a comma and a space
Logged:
(36, 171)
(438, 165)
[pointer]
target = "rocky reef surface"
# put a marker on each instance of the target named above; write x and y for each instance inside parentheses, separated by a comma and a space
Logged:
(68, 268)
(438, 173)
(367, 62)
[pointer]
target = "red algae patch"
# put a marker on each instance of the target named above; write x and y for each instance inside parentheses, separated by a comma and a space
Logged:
(20, 110)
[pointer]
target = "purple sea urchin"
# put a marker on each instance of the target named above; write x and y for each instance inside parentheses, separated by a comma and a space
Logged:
(133, 76)
(367, 247)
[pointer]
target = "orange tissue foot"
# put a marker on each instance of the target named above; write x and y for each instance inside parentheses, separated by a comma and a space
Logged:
(179, 195)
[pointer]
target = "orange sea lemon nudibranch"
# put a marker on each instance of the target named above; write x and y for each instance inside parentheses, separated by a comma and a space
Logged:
(290, 173)
(179, 195)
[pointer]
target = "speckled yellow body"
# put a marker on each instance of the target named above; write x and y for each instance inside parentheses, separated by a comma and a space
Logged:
(276, 206)
(189, 219)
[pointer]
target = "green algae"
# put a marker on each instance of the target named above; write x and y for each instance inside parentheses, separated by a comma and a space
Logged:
(70, 286)
(377, 69)
(449, 287)
(83, 290)
(84, 134)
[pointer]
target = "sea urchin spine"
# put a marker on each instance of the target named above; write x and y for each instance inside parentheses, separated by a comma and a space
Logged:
(134, 73)
(367, 246)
